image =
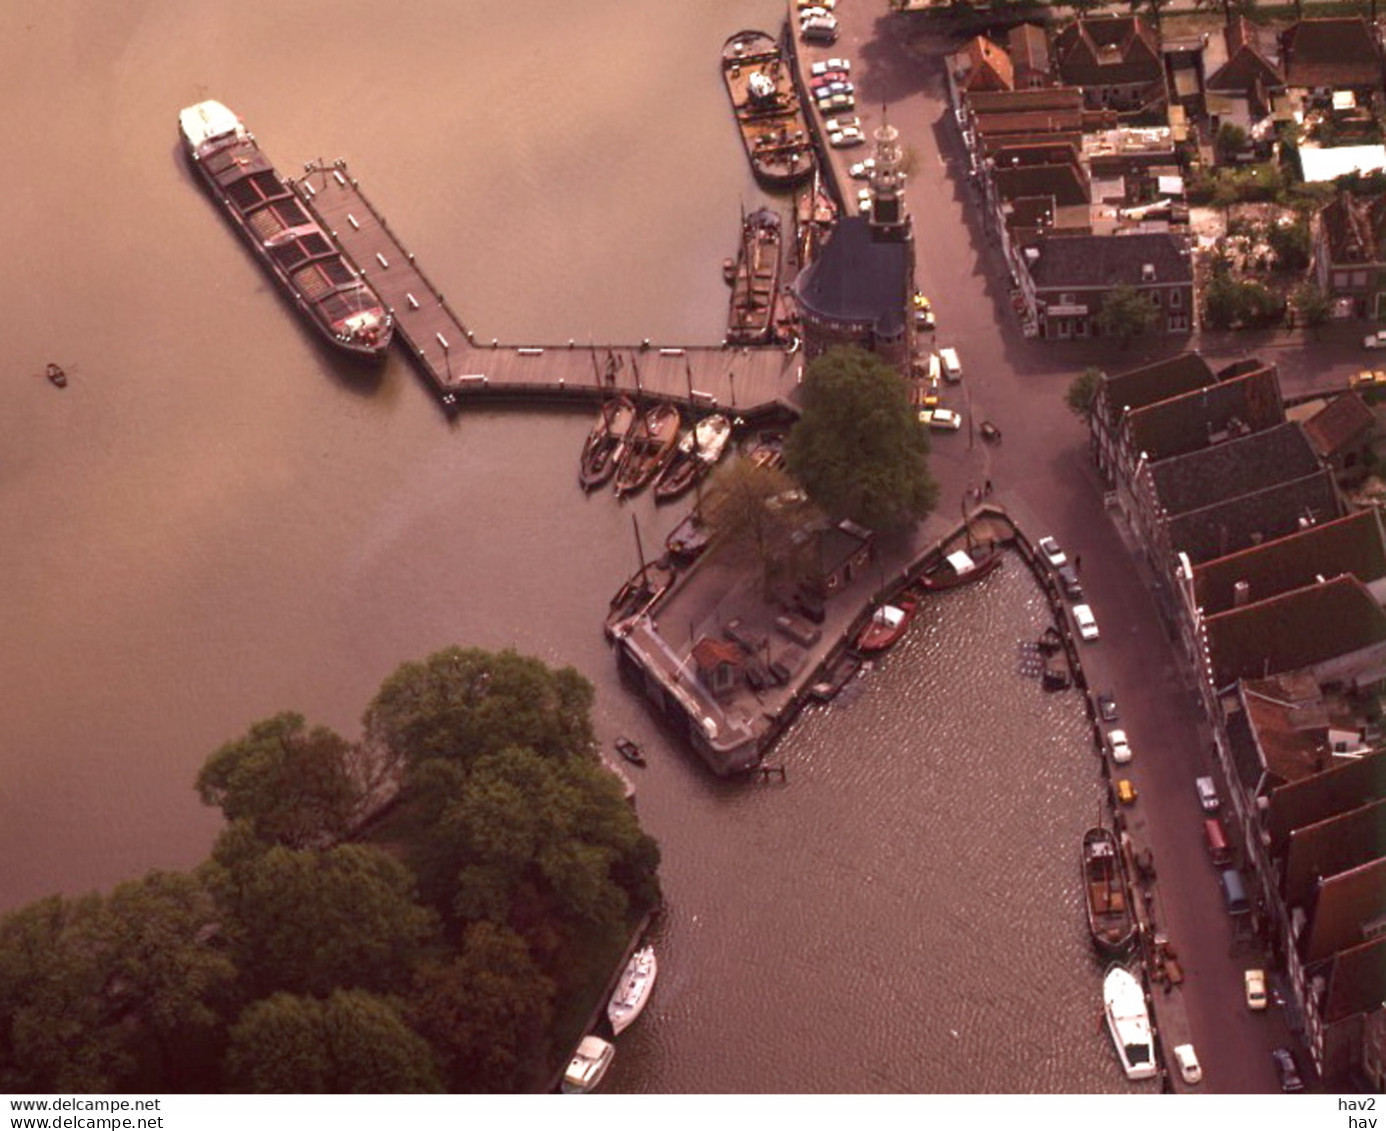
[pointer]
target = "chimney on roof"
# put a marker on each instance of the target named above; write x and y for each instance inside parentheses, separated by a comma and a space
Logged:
(1241, 593)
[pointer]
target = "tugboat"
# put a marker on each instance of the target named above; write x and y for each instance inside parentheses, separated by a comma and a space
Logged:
(768, 114)
(306, 262)
(755, 285)
(1105, 894)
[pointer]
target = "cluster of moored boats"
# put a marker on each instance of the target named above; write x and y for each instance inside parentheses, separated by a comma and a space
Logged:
(594, 1053)
(632, 447)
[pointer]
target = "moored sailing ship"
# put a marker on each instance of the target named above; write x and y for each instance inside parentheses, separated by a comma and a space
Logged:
(768, 113)
(305, 260)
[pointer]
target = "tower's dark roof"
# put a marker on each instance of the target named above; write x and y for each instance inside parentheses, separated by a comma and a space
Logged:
(858, 277)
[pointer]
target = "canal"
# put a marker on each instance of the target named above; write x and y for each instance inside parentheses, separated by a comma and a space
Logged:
(216, 521)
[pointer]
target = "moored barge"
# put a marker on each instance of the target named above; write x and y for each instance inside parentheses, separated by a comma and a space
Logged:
(304, 259)
(756, 281)
(760, 84)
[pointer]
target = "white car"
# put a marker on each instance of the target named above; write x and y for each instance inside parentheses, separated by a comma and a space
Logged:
(1087, 623)
(1255, 989)
(827, 66)
(831, 103)
(1121, 749)
(1375, 341)
(832, 125)
(807, 4)
(814, 12)
(845, 139)
(863, 201)
(940, 419)
(1049, 547)
(1187, 1059)
(862, 169)
(952, 367)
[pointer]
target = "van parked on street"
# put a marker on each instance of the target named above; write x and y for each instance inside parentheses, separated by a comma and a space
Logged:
(1207, 794)
(1233, 892)
(1215, 841)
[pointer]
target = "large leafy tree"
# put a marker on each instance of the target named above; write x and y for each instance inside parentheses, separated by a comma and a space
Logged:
(549, 848)
(754, 512)
(353, 1041)
(100, 995)
(486, 1013)
(309, 921)
(460, 704)
(1127, 312)
(294, 785)
(858, 448)
(1082, 391)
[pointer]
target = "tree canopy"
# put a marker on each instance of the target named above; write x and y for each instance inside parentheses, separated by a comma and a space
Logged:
(1126, 313)
(436, 941)
(858, 447)
(1082, 391)
(460, 704)
(351, 1042)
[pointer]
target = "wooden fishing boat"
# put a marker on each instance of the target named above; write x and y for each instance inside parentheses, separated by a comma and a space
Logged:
(638, 592)
(755, 285)
(649, 447)
(689, 538)
(1105, 894)
(888, 623)
(959, 568)
(698, 450)
(760, 84)
(601, 454)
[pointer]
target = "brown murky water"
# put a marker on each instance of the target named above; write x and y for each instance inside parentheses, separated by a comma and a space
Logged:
(216, 521)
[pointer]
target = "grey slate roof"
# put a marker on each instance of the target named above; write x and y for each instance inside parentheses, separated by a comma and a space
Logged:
(1110, 261)
(1255, 517)
(1333, 845)
(1238, 467)
(858, 278)
(1193, 420)
(1337, 790)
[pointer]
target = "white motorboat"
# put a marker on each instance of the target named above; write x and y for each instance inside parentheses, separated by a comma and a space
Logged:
(589, 1064)
(1128, 1020)
(633, 991)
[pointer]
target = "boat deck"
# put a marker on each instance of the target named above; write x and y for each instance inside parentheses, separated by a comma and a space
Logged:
(458, 365)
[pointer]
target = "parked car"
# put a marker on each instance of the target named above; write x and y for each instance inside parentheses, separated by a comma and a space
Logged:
(952, 367)
(1207, 794)
(828, 4)
(940, 419)
(827, 79)
(1287, 1068)
(1187, 1059)
(1068, 578)
(832, 125)
(862, 169)
(1106, 707)
(1366, 378)
(863, 201)
(845, 139)
(815, 12)
(1376, 341)
(1049, 547)
(1120, 748)
(1126, 792)
(831, 103)
(1087, 623)
(828, 66)
(1255, 989)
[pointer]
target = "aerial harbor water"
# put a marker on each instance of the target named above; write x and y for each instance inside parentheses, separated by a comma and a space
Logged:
(216, 520)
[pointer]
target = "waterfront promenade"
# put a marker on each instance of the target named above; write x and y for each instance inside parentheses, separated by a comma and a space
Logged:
(459, 364)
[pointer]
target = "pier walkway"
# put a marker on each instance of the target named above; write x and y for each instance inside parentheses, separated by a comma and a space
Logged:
(458, 365)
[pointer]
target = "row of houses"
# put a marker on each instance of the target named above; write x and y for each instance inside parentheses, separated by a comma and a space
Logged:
(1276, 590)
(1078, 146)
(1081, 200)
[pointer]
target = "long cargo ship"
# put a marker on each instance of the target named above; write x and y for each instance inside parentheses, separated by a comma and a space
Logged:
(768, 113)
(303, 258)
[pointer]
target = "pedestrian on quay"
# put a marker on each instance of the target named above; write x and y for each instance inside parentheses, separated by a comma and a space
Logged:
(1077, 563)
(987, 489)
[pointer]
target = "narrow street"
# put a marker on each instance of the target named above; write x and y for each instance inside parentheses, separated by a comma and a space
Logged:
(1042, 473)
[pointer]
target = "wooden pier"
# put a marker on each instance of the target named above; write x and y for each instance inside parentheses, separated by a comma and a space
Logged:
(752, 381)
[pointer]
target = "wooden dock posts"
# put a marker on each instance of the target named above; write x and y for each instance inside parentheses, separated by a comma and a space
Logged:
(754, 381)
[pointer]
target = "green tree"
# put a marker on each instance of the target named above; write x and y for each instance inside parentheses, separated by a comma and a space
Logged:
(55, 1034)
(1127, 312)
(462, 704)
(1312, 304)
(549, 848)
(294, 786)
(858, 448)
(486, 1013)
(1230, 142)
(310, 921)
(353, 1042)
(1082, 391)
(1291, 242)
(756, 515)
